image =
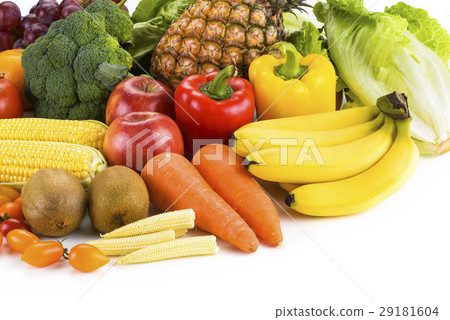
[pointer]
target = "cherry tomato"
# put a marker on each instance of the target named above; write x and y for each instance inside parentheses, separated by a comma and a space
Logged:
(11, 103)
(43, 253)
(13, 210)
(18, 240)
(1, 240)
(11, 224)
(19, 201)
(87, 258)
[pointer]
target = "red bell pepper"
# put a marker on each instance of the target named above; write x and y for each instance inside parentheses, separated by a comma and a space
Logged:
(213, 106)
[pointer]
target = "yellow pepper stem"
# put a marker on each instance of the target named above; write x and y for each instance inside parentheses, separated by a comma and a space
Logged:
(291, 69)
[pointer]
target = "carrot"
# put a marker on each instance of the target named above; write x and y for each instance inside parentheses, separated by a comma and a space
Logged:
(173, 183)
(221, 168)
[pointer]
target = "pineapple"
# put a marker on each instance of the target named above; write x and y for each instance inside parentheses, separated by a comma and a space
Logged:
(212, 34)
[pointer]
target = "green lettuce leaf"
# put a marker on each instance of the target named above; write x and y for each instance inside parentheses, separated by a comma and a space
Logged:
(146, 10)
(375, 54)
(425, 29)
(308, 39)
(152, 19)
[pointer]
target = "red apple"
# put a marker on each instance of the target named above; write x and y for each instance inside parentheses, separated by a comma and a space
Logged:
(139, 94)
(133, 139)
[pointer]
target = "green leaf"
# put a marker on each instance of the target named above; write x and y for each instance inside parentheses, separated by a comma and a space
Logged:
(308, 40)
(151, 24)
(145, 37)
(375, 53)
(146, 10)
(111, 74)
(425, 29)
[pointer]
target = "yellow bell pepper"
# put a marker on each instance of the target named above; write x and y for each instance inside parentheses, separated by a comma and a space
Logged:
(293, 85)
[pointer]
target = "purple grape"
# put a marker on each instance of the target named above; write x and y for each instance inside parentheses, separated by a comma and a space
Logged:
(47, 13)
(66, 3)
(9, 15)
(54, 2)
(19, 44)
(6, 40)
(33, 9)
(33, 32)
(69, 9)
(27, 21)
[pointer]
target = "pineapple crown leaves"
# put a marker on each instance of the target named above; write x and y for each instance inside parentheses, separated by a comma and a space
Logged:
(286, 5)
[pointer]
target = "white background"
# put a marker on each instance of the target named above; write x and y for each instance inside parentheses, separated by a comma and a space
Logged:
(396, 254)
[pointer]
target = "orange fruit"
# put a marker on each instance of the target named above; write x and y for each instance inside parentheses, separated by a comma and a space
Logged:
(11, 66)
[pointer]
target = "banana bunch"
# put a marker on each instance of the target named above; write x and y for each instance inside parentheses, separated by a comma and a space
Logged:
(334, 163)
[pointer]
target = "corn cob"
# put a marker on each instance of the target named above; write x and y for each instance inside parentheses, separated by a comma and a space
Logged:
(164, 221)
(120, 246)
(89, 133)
(20, 159)
(186, 247)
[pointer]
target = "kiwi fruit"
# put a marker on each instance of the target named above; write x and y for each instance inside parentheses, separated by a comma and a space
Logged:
(53, 202)
(117, 196)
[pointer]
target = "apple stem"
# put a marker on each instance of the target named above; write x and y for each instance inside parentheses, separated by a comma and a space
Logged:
(146, 87)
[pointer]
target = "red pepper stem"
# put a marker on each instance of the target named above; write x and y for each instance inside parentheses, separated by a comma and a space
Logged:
(218, 89)
(291, 69)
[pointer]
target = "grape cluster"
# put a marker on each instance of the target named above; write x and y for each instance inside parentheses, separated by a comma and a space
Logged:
(17, 32)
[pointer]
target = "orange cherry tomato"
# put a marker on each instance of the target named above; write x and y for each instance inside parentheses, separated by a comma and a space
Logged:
(13, 210)
(43, 253)
(19, 201)
(87, 258)
(18, 239)
(1, 240)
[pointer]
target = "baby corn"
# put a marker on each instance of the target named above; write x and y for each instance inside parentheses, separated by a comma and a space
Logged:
(186, 247)
(181, 219)
(120, 246)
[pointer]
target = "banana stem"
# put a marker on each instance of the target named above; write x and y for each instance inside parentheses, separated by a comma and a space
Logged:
(394, 105)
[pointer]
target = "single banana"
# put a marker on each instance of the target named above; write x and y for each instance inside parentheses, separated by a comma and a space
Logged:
(364, 190)
(310, 164)
(252, 139)
(320, 121)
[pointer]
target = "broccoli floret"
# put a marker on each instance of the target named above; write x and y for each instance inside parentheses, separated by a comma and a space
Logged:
(117, 24)
(83, 27)
(91, 91)
(54, 29)
(37, 83)
(60, 67)
(62, 78)
(78, 111)
(46, 109)
(103, 48)
(62, 51)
